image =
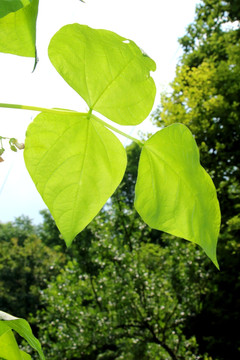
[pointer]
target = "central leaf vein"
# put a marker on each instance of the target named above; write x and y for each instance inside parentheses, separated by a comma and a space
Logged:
(112, 81)
(81, 174)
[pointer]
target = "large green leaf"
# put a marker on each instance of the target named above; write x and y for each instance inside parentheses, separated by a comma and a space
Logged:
(9, 349)
(110, 72)
(173, 191)
(76, 164)
(8, 344)
(18, 27)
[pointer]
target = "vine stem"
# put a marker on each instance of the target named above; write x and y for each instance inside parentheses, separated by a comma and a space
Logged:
(139, 142)
(67, 112)
(36, 108)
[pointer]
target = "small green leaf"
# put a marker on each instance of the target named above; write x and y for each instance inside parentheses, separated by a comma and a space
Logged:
(174, 193)
(18, 27)
(13, 148)
(22, 327)
(110, 72)
(76, 164)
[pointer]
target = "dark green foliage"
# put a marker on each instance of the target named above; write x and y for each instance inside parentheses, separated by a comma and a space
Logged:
(212, 19)
(126, 190)
(137, 301)
(26, 265)
(220, 308)
(49, 233)
(20, 229)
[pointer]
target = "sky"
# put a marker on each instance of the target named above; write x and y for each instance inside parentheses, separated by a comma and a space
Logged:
(154, 25)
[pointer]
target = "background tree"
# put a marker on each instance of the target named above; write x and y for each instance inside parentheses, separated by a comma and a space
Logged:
(20, 228)
(26, 264)
(127, 291)
(205, 96)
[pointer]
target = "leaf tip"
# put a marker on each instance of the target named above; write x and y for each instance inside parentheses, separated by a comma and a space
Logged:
(215, 262)
(212, 254)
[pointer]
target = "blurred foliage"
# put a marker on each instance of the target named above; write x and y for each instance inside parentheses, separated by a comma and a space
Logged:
(205, 96)
(20, 229)
(26, 265)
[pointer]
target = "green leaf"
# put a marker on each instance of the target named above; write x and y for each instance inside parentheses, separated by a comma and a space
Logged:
(18, 27)
(25, 356)
(3, 328)
(22, 327)
(13, 148)
(9, 349)
(7, 6)
(110, 72)
(174, 193)
(76, 164)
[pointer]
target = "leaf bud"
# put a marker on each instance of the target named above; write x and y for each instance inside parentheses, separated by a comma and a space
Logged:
(14, 142)
(20, 146)
(13, 148)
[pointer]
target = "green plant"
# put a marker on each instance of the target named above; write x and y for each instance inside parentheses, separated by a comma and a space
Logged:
(205, 96)
(8, 345)
(74, 160)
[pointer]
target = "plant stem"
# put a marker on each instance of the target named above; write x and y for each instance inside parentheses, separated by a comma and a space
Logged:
(139, 142)
(66, 111)
(36, 108)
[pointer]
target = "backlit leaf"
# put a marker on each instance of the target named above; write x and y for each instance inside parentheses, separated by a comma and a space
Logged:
(174, 193)
(18, 27)
(9, 349)
(110, 72)
(76, 164)
(24, 355)
(23, 328)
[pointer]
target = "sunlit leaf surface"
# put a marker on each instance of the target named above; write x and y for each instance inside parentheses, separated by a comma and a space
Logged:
(110, 72)
(18, 27)
(76, 164)
(8, 345)
(9, 349)
(173, 191)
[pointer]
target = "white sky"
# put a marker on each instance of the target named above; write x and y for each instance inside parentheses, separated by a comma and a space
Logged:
(155, 25)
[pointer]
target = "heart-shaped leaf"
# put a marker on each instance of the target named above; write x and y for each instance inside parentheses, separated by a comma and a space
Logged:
(18, 27)
(76, 164)
(110, 72)
(8, 343)
(173, 191)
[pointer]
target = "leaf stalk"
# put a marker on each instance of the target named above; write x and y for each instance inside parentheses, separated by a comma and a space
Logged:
(36, 108)
(66, 111)
(139, 142)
